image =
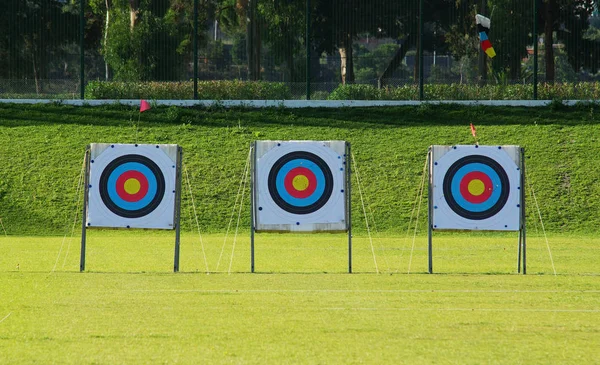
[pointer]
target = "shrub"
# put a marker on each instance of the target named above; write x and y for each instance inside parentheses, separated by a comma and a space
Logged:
(208, 90)
(558, 91)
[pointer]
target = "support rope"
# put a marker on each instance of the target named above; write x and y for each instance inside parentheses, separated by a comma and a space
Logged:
(4, 229)
(79, 183)
(245, 179)
(541, 223)
(233, 210)
(421, 190)
(412, 213)
(365, 213)
(187, 176)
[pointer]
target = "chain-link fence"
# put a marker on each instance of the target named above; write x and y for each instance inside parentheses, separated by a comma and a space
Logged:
(317, 49)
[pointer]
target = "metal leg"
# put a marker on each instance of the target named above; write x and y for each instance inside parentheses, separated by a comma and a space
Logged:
(178, 210)
(86, 191)
(252, 204)
(349, 205)
(430, 214)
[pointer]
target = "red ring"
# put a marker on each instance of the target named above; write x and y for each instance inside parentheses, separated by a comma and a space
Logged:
(289, 185)
(487, 183)
(132, 174)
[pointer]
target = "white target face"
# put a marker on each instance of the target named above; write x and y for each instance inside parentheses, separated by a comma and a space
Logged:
(300, 186)
(476, 188)
(132, 186)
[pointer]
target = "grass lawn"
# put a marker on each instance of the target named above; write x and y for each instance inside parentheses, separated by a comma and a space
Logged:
(301, 306)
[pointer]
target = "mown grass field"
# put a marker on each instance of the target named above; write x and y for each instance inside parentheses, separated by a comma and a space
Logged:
(301, 306)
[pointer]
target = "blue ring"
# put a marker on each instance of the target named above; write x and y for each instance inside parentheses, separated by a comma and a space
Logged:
(300, 202)
(461, 201)
(112, 186)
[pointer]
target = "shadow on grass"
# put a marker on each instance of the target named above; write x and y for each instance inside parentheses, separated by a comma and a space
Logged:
(12, 115)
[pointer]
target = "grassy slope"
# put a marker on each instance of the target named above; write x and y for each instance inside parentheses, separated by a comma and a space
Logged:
(41, 149)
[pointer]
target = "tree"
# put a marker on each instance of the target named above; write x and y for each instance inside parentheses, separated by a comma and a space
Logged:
(148, 39)
(568, 20)
(336, 24)
(34, 33)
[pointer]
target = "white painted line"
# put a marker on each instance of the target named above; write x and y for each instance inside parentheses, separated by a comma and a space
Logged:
(217, 291)
(8, 315)
(421, 309)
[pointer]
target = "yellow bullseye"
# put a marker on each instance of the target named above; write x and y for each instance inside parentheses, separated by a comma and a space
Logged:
(132, 186)
(476, 187)
(300, 182)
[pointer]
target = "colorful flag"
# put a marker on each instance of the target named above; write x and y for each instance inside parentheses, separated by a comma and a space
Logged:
(144, 105)
(483, 27)
(473, 130)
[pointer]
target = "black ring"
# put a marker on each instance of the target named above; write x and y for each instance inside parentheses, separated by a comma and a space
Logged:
(138, 213)
(272, 182)
(447, 187)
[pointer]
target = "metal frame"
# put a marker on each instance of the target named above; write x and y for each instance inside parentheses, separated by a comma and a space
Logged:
(522, 247)
(253, 204)
(86, 193)
(177, 208)
(523, 231)
(177, 213)
(349, 204)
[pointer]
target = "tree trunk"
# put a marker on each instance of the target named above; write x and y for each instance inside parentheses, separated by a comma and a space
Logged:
(347, 63)
(106, 69)
(396, 61)
(253, 44)
(134, 12)
(549, 15)
(36, 74)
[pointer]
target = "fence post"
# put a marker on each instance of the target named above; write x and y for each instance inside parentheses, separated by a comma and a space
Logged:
(81, 49)
(535, 49)
(308, 16)
(420, 49)
(195, 40)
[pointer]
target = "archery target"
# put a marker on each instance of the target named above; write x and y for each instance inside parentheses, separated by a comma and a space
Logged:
(132, 186)
(300, 186)
(476, 187)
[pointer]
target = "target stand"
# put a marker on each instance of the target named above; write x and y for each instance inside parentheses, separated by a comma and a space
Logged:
(132, 186)
(477, 188)
(300, 186)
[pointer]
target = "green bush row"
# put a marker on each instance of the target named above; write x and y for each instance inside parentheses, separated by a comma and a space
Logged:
(564, 91)
(249, 90)
(209, 90)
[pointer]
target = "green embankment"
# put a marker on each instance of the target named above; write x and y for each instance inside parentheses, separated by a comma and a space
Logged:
(42, 149)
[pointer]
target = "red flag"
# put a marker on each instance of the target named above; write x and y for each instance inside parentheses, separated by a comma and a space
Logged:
(473, 130)
(144, 105)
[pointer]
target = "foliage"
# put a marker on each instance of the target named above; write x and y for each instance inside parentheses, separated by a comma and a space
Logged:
(210, 90)
(34, 39)
(502, 91)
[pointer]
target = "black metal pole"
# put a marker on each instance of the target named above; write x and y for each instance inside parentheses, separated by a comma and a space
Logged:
(308, 55)
(523, 219)
(429, 209)
(81, 49)
(519, 249)
(195, 40)
(252, 203)
(535, 49)
(86, 190)
(420, 50)
(349, 204)
(482, 55)
(178, 209)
